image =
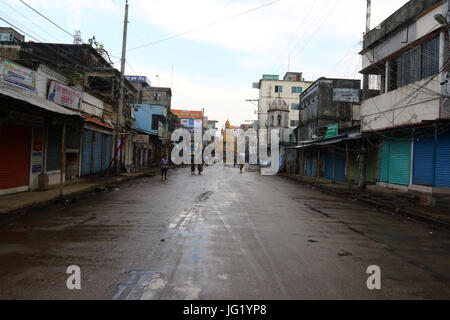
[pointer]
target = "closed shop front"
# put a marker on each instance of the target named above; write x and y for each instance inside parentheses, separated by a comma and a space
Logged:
(341, 166)
(310, 164)
(395, 161)
(329, 165)
(107, 158)
(432, 160)
(15, 152)
(443, 161)
(86, 153)
(424, 159)
(335, 165)
(96, 152)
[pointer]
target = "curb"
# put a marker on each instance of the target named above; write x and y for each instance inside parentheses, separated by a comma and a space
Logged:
(15, 214)
(377, 203)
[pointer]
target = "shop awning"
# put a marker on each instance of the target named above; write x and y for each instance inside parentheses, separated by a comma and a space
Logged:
(33, 99)
(97, 122)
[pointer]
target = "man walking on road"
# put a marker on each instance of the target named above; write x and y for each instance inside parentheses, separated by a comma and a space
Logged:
(164, 168)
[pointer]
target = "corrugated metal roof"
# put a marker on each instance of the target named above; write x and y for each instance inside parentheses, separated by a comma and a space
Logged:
(33, 99)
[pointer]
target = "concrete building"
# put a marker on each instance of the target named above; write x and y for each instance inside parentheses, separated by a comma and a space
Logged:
(328, 102)
(289, 89)
(406, 107)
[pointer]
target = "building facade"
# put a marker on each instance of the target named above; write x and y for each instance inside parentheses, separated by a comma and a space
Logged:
(289, 89)
(406, 107)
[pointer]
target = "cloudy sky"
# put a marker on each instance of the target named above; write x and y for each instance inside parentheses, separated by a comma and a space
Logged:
(222, 47)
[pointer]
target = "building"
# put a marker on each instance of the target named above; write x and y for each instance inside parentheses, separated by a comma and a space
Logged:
(154, 120)
(289, 89)
(329, 102)
(405, 111)
(69, 94)
(329, 131)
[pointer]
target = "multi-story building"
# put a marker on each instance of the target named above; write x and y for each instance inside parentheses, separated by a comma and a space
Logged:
(329, 102)
(47, 90)
(289, 90)
(406, 107)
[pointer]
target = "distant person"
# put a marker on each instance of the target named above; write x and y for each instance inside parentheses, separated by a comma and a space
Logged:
(164, 168)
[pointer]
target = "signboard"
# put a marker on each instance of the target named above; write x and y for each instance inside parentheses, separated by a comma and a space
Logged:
(17, 75)
(198, 123)
(65, 96)
(139, 79)
(187, 114)
(332, 131)
(141, 138)
(8, 37)
(271, 77)
(346, 95)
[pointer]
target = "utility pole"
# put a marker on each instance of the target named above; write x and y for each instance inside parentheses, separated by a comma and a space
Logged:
(122, 81)
(363, 150)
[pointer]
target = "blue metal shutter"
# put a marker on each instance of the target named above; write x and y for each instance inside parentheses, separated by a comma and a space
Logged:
(340, 166)
(424, 155)
(329, 165)
(313, 165)
(384, 161)
(106, 151)
(86, 153)
(400, 162)
(443, 161)
(97, 155)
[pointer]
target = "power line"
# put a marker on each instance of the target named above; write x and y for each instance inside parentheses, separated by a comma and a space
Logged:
(204, 26)
(15, 10)
(61, 28)
(15, 27)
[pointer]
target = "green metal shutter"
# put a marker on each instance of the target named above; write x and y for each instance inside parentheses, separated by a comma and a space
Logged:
(400, 162)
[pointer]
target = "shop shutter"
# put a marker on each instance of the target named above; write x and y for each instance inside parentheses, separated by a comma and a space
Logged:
(15, 149)
(54, 147)
(307, 165)
(106, 151)
(86, 153)
(371, 165)
(443, 161)
(97, 155)
(424, 157)
(313, 165)
(340, 171)
(329, 165)
(400, 162)
(384, 161)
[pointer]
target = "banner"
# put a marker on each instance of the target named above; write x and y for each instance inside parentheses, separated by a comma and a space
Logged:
(18, 75)
(65, 96)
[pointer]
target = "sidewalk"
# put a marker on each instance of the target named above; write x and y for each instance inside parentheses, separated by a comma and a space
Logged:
(14, 203)
(411, 204)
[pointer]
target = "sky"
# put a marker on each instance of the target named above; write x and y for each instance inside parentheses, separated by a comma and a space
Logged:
(220, 46)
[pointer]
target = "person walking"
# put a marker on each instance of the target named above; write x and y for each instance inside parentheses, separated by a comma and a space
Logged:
(164, 168)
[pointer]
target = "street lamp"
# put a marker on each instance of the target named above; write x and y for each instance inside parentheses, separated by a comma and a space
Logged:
(441, 19)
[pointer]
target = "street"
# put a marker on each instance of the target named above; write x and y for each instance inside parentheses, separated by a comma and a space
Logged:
(223, 235)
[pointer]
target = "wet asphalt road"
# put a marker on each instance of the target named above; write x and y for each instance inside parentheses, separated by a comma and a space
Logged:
(220, 236)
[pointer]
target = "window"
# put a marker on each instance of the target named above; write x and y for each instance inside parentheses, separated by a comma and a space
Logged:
(278, 89)
(280, 120)
(297, 90)
(418, 63)
(295, 106)
(295, 123)
(430, 58)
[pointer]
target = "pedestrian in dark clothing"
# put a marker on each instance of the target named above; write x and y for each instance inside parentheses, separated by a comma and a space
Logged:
(164, 168)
